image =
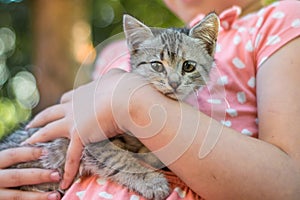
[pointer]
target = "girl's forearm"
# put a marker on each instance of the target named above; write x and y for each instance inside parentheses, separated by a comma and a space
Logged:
(215, 161)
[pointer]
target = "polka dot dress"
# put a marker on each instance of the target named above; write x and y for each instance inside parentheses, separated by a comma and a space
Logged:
(244, 44)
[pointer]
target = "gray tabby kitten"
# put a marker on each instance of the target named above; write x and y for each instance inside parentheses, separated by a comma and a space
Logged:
(176, 62)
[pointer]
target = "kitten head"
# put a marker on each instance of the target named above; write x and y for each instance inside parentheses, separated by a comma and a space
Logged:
(176, 61)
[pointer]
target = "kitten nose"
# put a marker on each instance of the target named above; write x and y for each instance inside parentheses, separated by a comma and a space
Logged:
(174, 84)
(174, 80)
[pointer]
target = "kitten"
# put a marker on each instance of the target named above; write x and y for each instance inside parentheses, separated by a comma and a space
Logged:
(176, 62)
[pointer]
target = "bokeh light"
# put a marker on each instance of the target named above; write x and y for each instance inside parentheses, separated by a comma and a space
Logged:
(105, 15)
(4, 73)
(10, 1)
(7, 111)
(82, 43)
(25, 90)
(2, 47)
(7, 40)
(11, 114)
(7, 44)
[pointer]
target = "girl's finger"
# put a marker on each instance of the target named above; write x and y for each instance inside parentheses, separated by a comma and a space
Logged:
(48, 115)
(27, 176)
(73, 157)
(67, 96)
(56, 129)
(13, 156)
(22, 195)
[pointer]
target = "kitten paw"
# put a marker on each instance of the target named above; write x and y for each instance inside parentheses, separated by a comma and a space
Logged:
(154, 186)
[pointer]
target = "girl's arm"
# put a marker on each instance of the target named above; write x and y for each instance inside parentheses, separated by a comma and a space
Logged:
(238, 167)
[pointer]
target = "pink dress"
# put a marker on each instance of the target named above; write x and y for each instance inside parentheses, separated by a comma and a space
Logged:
(230, 97)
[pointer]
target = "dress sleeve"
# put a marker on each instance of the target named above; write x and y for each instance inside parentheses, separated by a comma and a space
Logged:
(276, 25)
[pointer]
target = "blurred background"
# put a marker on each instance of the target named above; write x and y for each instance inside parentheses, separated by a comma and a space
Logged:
(43, 44)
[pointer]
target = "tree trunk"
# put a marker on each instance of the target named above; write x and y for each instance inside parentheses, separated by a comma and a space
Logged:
(55, 64)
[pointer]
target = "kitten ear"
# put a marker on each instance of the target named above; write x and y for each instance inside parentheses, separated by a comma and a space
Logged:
(207, 30)
(135, 31)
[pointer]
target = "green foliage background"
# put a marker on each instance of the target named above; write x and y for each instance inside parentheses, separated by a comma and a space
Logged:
(151, 12)
(13, 17)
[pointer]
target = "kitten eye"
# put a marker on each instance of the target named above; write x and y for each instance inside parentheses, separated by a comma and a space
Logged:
(189, 66)
(157, 66)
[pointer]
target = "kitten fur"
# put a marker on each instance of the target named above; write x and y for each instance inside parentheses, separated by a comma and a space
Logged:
(176, 62)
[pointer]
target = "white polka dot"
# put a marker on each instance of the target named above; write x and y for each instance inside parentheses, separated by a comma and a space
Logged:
(134, 197)
(80, 194)
(238, 63)
(105, 195)
(278, 15)
(226, 123)
(101, 181)
(225, 24)
(241, 29)
(296, 23)
(180, 192)
(214, 101)
(274, 4)
(236, 40)
(259, 22)
(261, 11)
(257, 40)
(252, 30)
(249, 46)
(247, 17)
(241, 97)
(273, 39)
(247, 132)
(223, 80)
(235, 26)
(218, 48)
(232, 112)
(251, 82)
(256, 121)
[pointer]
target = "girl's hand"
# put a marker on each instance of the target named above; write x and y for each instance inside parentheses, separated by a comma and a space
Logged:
(87, 114)
(18, 177)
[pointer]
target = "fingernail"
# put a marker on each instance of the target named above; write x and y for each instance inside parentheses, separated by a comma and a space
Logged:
(63, 185)
(55, 176)
(53, 196)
